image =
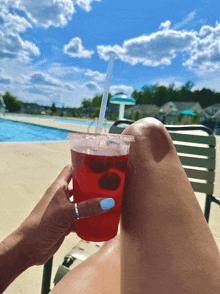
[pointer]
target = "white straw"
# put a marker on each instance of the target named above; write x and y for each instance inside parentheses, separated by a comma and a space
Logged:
(105, 93)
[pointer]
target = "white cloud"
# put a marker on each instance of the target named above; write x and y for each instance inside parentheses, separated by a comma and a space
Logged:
(75, 49)
(159, 48)
(189, 17)
(11, 43)
(45, 80)
(50, 12)
(167, 81)
(205, 57)
(4, 78)
(210, 82)
(5, 81)
(36, 91)
(85, 4)
(43, 13)
(46, 87)
(100, 77)
(121, 88)
(93, 86)
(152, 50)
(165, 25)
(47, 12)
(59, 70)
(12, 22)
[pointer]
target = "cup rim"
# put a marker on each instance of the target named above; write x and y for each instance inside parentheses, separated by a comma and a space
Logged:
(108, 136)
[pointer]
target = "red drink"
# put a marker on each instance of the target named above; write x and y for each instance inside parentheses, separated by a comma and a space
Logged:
(99, 163)
(101, 174)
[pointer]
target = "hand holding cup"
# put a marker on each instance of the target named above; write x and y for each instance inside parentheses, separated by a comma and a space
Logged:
(53, 218)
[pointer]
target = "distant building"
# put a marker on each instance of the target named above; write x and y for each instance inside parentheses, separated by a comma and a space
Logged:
(213, 111)
(145, 110)
(111, 108)
(213, 117)
(169, 112)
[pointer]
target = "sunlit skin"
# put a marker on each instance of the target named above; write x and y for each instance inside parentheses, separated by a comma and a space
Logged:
(165, 245)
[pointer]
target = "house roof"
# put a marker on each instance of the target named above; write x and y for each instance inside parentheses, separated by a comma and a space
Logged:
(180, 105)
(216, 105)
(146, 108)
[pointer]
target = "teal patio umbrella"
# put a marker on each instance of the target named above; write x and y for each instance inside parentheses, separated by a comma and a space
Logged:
(188, 112)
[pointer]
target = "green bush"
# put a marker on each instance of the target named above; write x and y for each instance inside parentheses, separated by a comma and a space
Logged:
(115, 115)
(137, 115)
(180, 118)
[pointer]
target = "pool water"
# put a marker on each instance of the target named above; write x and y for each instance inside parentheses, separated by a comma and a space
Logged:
(11, 131)
(64, 120)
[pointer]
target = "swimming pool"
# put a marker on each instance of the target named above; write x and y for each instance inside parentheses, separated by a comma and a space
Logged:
(14, 131)
(64, 120)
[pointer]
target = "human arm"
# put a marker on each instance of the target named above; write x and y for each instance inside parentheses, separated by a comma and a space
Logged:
(13, 260)
(36, 240)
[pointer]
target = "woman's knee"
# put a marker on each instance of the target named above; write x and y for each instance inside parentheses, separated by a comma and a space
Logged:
(151, 139)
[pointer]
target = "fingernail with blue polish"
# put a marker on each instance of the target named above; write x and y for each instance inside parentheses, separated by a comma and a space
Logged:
(107, 203)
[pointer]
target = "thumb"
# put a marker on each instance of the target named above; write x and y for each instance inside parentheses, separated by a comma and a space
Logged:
(92, 207)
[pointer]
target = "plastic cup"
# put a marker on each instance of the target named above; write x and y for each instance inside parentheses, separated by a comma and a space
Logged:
(99, 163)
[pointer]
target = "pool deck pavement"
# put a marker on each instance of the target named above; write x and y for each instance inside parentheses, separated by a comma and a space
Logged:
(26, 171)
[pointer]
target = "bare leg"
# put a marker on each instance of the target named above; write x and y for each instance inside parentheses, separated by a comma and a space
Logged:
(99, 274)
(166, 244)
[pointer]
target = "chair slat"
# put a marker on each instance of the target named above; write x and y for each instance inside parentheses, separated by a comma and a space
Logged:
(200, 162)
(209, 176)
(116, 130)
(210, 152)
(203, 188)
(210, 140)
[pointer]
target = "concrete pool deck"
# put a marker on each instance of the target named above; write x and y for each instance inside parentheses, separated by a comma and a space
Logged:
(26, 171)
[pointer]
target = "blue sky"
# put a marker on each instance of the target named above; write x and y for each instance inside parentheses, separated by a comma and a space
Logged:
(58, 50)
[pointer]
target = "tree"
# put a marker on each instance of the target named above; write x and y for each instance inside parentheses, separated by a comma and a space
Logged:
(11, 103)
(53, 108)
(137, 96)
(205, 97)
(86, 103)
(189, 85)
(96, 112)
(185, 93)
(97, 100)
(161, 96)
(148, 96)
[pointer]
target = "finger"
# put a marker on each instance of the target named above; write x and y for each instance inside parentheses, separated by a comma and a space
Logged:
(93, 207)
(65, 174)
(69, 193)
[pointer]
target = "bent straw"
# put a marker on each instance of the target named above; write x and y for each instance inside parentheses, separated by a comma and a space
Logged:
(105, 93)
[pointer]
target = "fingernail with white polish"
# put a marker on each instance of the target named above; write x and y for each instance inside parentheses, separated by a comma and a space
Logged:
(107, 203)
